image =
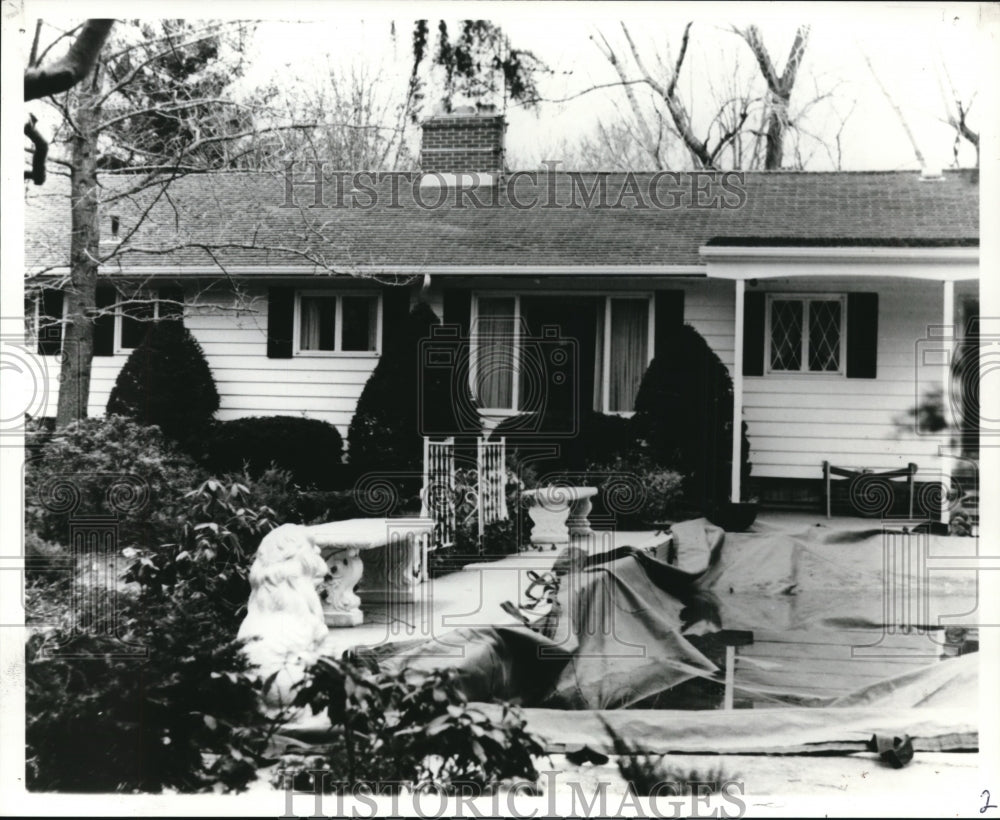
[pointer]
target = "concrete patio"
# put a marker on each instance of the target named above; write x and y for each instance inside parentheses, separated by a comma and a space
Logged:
(473, 595)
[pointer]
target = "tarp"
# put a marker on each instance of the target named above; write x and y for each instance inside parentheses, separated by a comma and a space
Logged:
(622, 631)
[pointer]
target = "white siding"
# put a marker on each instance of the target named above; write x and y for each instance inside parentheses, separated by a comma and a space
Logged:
(795, 422)
(249, 383)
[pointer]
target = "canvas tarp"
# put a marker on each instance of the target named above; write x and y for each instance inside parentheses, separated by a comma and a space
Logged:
(621, 633)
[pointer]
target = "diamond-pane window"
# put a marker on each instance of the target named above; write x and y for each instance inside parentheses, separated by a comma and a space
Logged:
(824, 336)
(786, 334)
(805, 334)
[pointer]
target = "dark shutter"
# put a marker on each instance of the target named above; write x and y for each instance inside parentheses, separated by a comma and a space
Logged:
(172, 302)
(50, 313)
(395, 309)
(104, 322)
(862, 335)
(280, 322)
(458, 308)
(754, 306)
(669, 319)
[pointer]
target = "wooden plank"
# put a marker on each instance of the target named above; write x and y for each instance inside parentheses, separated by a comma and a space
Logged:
(867, 668)
(844, 637)
(828, 653)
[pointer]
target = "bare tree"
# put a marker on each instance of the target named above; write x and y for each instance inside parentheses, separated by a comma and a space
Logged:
(134, 109)
(779, 87)
(58, 76)
(746, 127)
(956, 110)
(62, 74)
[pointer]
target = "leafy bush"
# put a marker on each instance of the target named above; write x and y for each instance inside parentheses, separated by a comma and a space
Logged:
(107, 466)
(166, 381)
(37, 432)
(386, 431)
(599, 438)
(414, 728)
(311, 450)
(100, 720)
(647, 494)
(500, 538)
(220, 530)
(684, 415)
(185, 715)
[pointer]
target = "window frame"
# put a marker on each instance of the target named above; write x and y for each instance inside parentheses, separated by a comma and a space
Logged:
(35, 338)
(806, 299)
(604, 347)
(339, 295)
(474, 351)
(119, 349)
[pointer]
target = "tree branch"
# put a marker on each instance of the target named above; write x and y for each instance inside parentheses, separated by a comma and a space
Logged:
(42, 81)
(39, 154)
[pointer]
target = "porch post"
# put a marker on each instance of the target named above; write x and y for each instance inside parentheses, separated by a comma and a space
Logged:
(948, 338)
(734, 493)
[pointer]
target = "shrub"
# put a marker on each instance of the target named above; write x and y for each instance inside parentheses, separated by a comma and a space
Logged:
(500, 538)
(166, 381)
(413, 728)
(101, 720)
(44, 561)
(386, 433)
(220, 529)
(310, 450)
(107, 466)
(684, 415)
(37, 432)
(599, 438)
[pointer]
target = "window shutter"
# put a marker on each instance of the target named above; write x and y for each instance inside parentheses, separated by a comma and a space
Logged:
(458, 308)
(104, 323)
(669, 307)
(280, 322)
(169, 307)
(395, 309)
(754, 307)
(50, 312)
(862, 335)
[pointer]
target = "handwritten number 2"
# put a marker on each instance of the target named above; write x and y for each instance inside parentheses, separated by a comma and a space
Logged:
(987, 804)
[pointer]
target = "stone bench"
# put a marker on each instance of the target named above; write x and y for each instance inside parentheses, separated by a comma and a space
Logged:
(559, 513)
(395, 555)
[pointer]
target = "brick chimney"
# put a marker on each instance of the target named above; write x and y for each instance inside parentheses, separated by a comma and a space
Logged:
(465, 141)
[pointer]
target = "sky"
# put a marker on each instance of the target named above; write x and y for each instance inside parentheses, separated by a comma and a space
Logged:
(910, 45)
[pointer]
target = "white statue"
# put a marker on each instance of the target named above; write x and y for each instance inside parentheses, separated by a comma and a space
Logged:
(284, 625)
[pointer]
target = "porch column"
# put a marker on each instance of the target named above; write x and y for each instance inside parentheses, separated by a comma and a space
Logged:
(734, 493)
(949, 339)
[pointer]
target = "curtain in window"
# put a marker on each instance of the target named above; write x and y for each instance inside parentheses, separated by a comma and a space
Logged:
(629, 351)
(495, 334)
(317, 323)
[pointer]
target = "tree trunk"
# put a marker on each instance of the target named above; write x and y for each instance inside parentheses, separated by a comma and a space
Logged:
(81, 296)
(776, 133)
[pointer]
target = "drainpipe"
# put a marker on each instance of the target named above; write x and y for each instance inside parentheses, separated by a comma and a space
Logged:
(734, 494)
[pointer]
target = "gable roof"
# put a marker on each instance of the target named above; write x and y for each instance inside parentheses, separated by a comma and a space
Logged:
(245, 219)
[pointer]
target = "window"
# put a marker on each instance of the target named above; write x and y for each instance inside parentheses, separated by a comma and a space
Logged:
(48, 323)
(624, 348)
(502, 361)
(132, 320)
(337, 323)
(805, 334)
(497, 339)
